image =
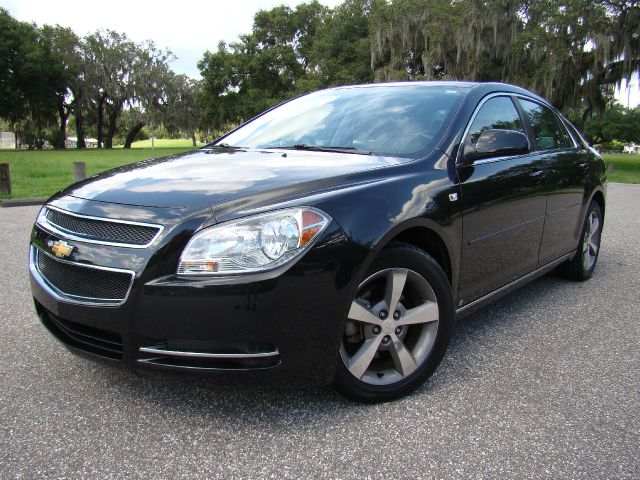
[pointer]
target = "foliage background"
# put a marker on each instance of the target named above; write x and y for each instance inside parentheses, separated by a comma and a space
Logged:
(54, 84)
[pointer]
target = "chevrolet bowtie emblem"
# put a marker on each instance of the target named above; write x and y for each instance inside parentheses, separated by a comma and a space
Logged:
(60, 248)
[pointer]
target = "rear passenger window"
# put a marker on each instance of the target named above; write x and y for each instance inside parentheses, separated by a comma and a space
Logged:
(549, 134)
(498, 113)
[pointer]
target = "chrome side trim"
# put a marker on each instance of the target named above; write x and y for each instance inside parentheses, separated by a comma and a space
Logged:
(505, 229)
(485, 161)
(75, 299)
(42, 221)
(578, 204)
(510, 287)
(220, 356)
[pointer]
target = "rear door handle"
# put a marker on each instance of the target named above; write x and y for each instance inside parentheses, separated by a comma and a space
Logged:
(537, 173)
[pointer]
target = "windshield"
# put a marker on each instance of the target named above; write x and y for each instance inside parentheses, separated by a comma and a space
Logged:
(400, 121)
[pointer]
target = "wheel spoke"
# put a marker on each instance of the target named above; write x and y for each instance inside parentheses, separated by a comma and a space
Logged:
(395, 285)
(426, 313)
(593, 233)
(360, 313)
(593, 248)
(359, 363)
(595, 224)
(402, 359)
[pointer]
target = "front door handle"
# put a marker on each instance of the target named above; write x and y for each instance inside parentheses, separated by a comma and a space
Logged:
(538, 176)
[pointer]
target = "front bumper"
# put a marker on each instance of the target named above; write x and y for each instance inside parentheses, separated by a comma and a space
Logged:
(287, 326)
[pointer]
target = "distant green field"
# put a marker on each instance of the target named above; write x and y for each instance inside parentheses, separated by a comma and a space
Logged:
(626, 168)
(41, 173)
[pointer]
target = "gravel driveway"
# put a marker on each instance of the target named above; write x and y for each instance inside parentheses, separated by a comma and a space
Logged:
(543, 384)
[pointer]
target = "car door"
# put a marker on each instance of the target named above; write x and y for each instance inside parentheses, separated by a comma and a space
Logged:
(503, 203)
(566, 181)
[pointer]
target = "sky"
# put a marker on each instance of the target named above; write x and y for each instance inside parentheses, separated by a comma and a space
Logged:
(186, 27)
(629, 96)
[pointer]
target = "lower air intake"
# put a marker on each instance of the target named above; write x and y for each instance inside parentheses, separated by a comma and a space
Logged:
(82, 337)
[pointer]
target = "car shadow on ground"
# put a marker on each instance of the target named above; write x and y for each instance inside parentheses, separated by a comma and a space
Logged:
(269, 405)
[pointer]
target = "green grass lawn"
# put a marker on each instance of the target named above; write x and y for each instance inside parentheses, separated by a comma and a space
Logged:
(626, 168)
(41, 173)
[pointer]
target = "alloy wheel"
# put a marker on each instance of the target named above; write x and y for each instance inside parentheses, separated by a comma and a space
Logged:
(591, 241)
(391, 327)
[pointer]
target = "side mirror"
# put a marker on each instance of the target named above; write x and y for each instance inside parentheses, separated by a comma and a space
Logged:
(496, 143)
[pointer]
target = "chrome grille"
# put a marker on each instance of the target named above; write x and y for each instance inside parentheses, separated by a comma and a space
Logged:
(93, 284)
(100, 230)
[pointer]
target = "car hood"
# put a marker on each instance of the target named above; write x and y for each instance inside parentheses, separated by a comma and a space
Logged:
(210, 177)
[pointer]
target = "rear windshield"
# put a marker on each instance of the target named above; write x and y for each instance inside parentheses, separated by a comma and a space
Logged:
(402, 121)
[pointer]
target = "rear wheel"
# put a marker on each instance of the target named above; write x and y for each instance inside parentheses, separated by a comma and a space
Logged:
(398, 326)
(584, 262)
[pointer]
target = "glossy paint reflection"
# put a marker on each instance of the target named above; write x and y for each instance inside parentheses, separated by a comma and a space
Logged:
(198, 178)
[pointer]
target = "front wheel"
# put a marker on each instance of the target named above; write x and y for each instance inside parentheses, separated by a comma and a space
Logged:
(398, 327)
(584, 262)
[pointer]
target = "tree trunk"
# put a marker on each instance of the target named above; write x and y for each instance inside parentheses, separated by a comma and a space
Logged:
(64, 116)
(63, 133)
(193, 138)
(111, 131)
(103, 98)
(80, 130)
(77, 110)
(132, 134)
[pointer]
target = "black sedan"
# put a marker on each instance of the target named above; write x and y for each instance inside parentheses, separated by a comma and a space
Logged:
(334, 238)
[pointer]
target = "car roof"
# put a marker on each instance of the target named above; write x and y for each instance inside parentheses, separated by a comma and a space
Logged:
(482, 88)
(410, 83)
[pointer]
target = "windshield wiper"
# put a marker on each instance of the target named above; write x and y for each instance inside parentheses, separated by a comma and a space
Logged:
(318, 148)
(224, 146)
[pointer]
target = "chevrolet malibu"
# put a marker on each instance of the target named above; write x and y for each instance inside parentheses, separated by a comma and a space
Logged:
(335, 238)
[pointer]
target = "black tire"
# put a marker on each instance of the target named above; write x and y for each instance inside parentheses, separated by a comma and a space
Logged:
(401, 257)
(579, 268)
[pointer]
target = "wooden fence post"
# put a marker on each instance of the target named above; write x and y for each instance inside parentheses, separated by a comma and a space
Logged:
(5, 179)
(79, 171)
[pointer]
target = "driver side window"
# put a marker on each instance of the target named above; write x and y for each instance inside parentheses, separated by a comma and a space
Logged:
(496, 113)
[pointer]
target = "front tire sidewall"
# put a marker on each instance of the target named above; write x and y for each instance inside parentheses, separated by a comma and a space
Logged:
(406, 256)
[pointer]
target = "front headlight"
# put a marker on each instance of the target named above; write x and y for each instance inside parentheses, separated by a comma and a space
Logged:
(253, 244)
